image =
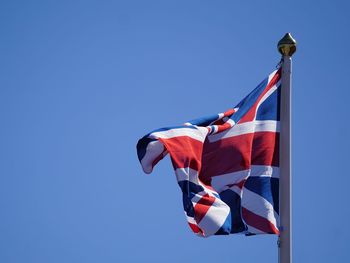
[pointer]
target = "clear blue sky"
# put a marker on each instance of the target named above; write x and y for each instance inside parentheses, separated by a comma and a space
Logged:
(82, 81)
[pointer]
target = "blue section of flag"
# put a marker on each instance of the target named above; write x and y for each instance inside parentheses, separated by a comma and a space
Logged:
(188, 206)
(265, 187)
(270, 108)
(233, 200)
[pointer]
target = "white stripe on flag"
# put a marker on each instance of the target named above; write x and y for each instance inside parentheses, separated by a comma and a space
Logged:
(198, 134)
(247, 127)
(264, 171)
(272, 75)
(259, 206)
(187, 173)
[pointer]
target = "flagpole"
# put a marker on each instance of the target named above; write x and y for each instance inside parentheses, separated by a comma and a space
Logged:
(287, 47)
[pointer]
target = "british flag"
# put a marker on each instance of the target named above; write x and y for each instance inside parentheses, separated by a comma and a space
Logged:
(227, 165)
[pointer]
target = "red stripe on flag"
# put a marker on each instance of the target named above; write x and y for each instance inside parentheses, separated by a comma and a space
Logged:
(195, 228)
(239, 153)
(224, 127)
(259, 222)
(225, 156)
(184, 151)
(202, 207)
(266, 148)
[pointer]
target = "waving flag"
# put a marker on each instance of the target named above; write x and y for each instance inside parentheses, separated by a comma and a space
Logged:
(227, 165)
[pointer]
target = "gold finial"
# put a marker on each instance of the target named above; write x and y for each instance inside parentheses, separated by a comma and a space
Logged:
(287, 45)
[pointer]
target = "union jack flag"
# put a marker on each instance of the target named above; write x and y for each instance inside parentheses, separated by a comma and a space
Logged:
(227, 165)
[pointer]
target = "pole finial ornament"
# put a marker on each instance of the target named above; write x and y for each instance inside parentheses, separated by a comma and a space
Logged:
(287, 45)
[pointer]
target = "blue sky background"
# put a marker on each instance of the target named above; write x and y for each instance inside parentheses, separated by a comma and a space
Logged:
(82, 81)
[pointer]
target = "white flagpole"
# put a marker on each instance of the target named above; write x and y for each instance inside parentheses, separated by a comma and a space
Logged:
(286, 46)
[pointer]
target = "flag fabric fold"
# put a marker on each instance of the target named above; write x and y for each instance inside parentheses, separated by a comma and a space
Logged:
(226, 165)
